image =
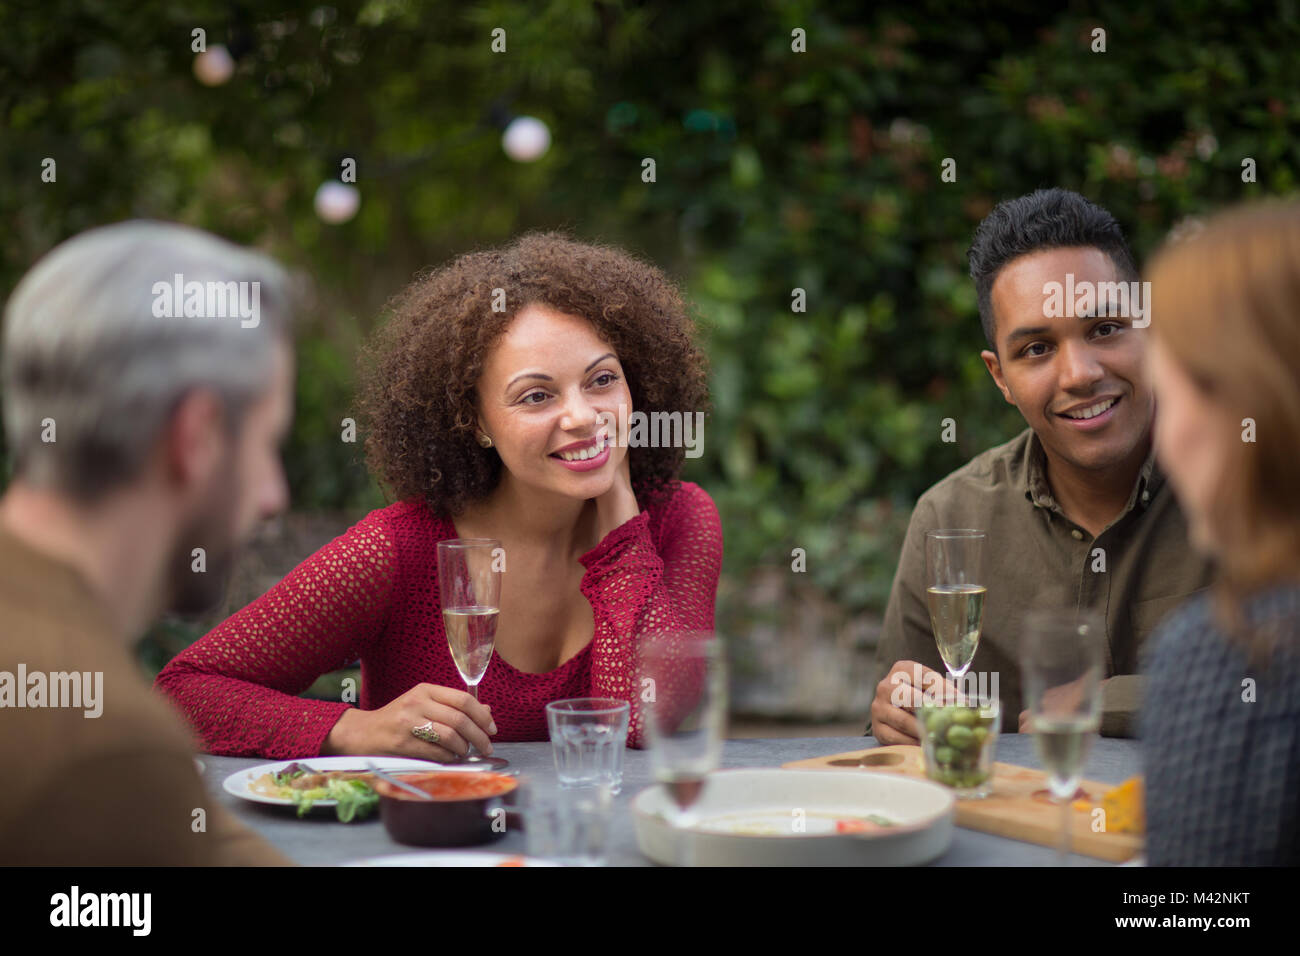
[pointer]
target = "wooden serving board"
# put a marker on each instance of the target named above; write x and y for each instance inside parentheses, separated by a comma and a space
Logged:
(1012, 810)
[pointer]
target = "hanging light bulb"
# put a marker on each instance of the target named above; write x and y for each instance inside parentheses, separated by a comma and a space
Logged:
(337, 202)
(526, 138)
(214, 66)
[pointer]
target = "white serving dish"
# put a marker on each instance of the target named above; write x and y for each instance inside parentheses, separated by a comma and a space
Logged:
(453, 858)
(788, 818)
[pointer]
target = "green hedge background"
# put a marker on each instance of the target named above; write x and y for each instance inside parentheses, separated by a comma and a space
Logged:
(775, 170)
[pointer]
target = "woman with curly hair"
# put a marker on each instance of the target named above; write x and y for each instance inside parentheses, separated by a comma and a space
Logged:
(493, 399)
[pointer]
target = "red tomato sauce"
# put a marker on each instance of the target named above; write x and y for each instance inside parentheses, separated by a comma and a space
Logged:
(453, 785)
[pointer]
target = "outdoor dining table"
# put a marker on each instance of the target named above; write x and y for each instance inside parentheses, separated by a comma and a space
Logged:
(320, 840)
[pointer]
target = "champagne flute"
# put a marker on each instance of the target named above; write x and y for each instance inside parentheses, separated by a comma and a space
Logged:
(954, 562)
(683, 682)
(469, 587)
(1061, 667)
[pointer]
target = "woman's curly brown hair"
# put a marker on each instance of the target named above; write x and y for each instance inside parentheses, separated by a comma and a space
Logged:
(419, 373)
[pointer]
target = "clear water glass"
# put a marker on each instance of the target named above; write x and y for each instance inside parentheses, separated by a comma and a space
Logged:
(588, 737)
(570, 827)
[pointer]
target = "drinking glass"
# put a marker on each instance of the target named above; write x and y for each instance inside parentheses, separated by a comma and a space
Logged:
(683, 696)
(588, 736)
(1061, 669)
(954, 563)
(469, 587)
(958, 742)
(568, 826)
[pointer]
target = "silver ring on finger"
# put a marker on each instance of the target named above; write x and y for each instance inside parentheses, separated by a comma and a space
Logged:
(426, 733)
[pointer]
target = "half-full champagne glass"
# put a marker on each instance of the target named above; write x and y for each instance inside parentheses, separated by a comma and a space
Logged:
(954, 562)
(469, 587)
(1061, 670)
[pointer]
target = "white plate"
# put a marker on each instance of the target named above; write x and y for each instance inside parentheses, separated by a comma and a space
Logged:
(789, 820)
(239, 783)
(449, 858)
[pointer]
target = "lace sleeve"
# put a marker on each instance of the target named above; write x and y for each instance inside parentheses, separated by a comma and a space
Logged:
(636, 587)
(238, 684)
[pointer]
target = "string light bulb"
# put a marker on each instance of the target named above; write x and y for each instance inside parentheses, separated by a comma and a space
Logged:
(214, 66)
(526, 139)
(337, 202)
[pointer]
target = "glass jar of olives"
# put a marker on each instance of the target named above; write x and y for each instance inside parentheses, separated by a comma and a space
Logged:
(957, 742)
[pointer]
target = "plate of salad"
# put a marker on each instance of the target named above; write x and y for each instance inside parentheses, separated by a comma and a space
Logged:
(343, 783)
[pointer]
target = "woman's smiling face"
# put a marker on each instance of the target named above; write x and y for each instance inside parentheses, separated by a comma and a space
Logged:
(551, 392)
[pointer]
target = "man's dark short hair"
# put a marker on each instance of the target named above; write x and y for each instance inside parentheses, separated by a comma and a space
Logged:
(1044, 219)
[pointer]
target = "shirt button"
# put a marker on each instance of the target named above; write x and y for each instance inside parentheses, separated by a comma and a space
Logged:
(1076, 534)
(1146, 496)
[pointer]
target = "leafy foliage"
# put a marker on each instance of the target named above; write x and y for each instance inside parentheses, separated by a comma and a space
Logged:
(775, 171)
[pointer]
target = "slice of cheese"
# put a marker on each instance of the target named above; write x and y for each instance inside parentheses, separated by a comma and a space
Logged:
(1124, 807)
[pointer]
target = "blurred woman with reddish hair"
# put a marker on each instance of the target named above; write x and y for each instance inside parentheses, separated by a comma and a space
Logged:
(1221, 721)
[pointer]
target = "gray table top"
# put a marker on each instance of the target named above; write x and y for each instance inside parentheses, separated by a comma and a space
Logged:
(322, 840)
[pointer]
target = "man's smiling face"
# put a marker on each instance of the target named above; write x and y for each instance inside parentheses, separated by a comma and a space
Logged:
(1079, 381)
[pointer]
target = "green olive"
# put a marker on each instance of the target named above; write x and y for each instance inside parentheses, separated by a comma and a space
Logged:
(963, 716)
(943, 756)
(980, 734)
(959, 737)
(936, 720)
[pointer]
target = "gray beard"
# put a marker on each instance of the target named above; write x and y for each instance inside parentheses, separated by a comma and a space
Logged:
(193, 592)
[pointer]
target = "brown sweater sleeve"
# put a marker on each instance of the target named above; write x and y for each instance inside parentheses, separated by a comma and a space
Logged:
(236, 845)
(132, 809)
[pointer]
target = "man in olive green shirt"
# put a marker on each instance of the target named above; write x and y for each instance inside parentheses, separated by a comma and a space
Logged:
(1077, 514)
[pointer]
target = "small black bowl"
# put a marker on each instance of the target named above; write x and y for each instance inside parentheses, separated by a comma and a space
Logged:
(461, 813)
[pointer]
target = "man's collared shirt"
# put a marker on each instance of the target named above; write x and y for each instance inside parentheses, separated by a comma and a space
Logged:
(1135, 572)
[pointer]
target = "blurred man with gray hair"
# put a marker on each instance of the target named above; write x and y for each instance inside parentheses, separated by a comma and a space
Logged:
(147, 384)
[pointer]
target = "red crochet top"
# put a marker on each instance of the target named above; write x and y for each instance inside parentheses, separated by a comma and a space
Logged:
(372, 594)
